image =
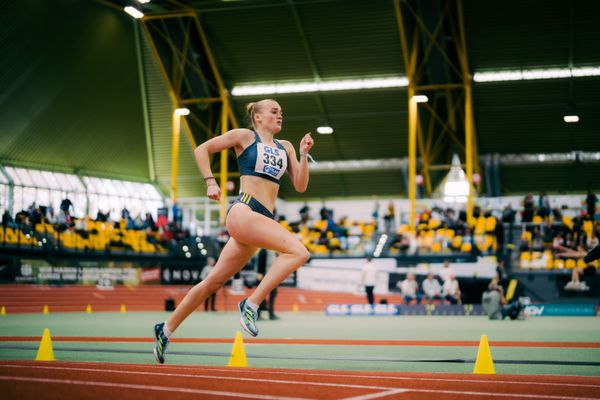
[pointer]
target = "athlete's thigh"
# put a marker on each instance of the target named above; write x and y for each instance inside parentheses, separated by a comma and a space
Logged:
(257, 230)
(232, 259)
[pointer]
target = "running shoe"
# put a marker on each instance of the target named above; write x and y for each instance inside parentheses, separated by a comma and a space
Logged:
(248, 318)
(161, 343)
(593, 254)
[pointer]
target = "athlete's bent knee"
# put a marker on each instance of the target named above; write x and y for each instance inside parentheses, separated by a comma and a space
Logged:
(302, 254)
(214, 284)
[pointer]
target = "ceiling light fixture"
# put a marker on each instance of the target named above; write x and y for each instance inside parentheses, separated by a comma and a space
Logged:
(134, 12)
(571, 118)
(420, 98)
(325, 130)
(532, 74)
(307, 87)
(182, 111)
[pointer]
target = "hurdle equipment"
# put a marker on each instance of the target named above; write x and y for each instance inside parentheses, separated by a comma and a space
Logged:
(45, 351)
(238, 353)
(484, 363)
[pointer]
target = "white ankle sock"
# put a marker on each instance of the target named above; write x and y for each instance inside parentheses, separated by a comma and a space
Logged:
(253, 306)
(167, 331)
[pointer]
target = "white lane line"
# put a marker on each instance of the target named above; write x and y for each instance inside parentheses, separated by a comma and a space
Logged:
(377, 395)
(149, 387)
(199, 376)
(408, 378)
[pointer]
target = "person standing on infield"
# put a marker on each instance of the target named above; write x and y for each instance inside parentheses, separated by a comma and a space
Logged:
(262, 162)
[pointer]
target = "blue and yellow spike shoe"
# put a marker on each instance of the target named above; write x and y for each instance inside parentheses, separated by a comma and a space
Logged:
(248, 318)
(161, 343)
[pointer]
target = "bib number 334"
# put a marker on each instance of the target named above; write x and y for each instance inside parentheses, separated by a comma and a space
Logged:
(270, 160)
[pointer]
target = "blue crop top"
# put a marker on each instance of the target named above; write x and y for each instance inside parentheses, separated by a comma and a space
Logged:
(268, 162)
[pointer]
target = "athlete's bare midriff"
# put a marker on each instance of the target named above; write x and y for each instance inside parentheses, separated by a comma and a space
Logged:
(261, 189)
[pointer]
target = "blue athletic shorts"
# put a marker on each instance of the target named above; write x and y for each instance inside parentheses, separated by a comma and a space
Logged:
(254, 205)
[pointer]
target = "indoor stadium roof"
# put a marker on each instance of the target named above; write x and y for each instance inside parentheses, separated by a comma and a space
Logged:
(74, 99)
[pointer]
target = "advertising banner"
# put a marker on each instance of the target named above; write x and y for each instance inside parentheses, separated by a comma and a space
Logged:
(573, 310)
(39, 271)
(362, 309)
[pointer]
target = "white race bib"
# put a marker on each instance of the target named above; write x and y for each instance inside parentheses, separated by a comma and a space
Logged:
(270, 161)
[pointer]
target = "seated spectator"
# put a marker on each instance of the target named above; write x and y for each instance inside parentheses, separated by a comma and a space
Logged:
(543, 205)
(304, 213)
(7, 219)
(451, 290)
(449, 219)
(431, 288)
(494, 303)
(446, 272)
(410, 289)
(528, 208)
(537, 244)
(508, 215)
(149, 222)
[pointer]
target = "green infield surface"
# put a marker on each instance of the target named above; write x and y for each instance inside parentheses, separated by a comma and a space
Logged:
(542, 345)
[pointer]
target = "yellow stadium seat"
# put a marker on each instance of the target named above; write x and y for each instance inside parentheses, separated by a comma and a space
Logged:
(436, 247)
(434, 223)
(588, 228)
(559, 263)
(549, 259)
(525, 259)
(581, 263)
(321, 249)
(526, 235)
(537, 219)
(25, 238)
(68, 240)
(456, 242)
(570, 263)
(480, 226)
(471, 222)
(490, 224)
(321, 224)
(10, 236)
(466, 247)
(80, 242)
(449, 234)
(566, 220)
(403, 228)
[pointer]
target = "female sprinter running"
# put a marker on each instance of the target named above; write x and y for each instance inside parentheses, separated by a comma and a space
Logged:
(262, 162)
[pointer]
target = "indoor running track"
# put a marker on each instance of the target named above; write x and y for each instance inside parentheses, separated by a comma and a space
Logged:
(84, 380)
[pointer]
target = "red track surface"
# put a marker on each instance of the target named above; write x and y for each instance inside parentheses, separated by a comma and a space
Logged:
(68, 380)
(326, 342)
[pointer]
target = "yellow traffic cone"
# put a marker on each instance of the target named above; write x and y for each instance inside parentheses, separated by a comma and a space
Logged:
(45, 352)
(295, 308)
(45, 309)
(3, 311)
(123, 309)
(484, 363)
(88, 309)
(238, 354)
